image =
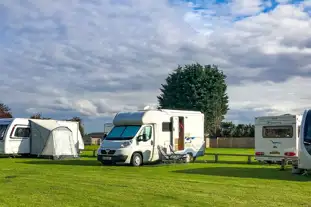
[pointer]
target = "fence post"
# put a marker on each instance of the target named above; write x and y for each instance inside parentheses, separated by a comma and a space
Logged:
(283, 163)
(249, 159)
(216, 157)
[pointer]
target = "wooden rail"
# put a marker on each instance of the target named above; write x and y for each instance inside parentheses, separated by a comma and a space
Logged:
(284, 159)
(216, 156)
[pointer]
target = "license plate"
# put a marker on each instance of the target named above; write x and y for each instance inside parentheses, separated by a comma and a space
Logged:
(106, 158)
(274, 153)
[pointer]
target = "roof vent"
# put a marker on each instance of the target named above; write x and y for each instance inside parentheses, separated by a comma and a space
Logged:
(147, 108)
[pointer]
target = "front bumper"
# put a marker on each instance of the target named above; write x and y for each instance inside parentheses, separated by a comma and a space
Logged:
(112, 158)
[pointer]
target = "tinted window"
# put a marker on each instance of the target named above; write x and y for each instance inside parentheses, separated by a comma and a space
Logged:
(277, 132)
(307, 127)
(122, 132)
(22, 132)
(166, 126)
(3, 129)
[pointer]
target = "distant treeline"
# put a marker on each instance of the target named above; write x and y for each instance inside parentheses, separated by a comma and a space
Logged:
(228, 129)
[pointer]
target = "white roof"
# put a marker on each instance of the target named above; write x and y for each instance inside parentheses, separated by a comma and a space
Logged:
(46, 123)
(137, 118)
(149, 116)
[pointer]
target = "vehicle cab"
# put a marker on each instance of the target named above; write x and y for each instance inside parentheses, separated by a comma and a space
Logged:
(130, 144)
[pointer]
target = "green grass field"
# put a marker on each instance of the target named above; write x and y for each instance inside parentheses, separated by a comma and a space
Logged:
(85, 182)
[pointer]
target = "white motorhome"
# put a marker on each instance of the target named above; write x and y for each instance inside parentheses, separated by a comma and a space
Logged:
(276, 136)
(16, 134)
(136, 135)
(303, 163)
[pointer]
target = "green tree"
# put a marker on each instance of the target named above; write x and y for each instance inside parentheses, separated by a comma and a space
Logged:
(249, 130)
(227, 129)
(200, 88)
(38, 116)
(81, 127)
(5, 111)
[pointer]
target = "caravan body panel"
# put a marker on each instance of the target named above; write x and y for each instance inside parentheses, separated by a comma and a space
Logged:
(304, 154)
(183, 130)
(276, 136)
(15, 139)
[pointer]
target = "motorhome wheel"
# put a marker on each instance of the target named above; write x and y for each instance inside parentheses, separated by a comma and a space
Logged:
(136, 159)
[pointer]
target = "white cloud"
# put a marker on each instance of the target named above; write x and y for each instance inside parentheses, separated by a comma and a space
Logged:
(246, 7)
(291, 96)
(99, 57)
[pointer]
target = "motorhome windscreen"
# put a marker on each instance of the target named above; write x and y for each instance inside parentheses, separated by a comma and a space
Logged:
(277, 131)
(122, 132)
(307, 127)
(3, 129)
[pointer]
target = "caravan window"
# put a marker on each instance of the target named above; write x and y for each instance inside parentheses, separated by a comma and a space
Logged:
(307, 127)
(277, 131)
(166, 126)
(122, 132)
(3, 129)
(22, 132)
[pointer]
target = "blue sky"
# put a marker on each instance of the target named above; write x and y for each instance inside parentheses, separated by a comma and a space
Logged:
(95, 58)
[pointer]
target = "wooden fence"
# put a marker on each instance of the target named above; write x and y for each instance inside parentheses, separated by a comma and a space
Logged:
(231, 142)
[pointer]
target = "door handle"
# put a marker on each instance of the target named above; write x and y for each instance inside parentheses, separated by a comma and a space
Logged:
(151, 142)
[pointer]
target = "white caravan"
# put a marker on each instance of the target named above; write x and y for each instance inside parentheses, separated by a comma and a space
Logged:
(276, 136)
(136, 135)
(24, 136)
(304, 145)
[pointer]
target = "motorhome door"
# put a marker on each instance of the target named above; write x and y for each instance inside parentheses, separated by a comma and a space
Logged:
(146, 143)
(305, 141)
(177, 139)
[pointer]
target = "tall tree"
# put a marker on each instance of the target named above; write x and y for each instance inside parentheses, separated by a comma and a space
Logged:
(5, 111)
(197, 87)
(79, 120)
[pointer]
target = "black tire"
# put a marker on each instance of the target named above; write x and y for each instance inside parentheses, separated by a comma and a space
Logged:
(137, 159)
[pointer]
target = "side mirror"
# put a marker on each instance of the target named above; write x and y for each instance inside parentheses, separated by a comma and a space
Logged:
(142, 137)
(139, 138)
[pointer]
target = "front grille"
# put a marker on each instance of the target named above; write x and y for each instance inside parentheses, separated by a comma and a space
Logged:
(106, 152)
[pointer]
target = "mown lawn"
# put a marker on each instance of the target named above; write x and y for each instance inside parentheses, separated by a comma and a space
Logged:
(84, 182)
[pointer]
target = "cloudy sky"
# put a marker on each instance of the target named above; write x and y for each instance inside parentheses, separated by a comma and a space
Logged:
(92, 58)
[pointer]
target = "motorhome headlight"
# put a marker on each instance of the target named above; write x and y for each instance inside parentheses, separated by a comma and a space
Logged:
(126, 144)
